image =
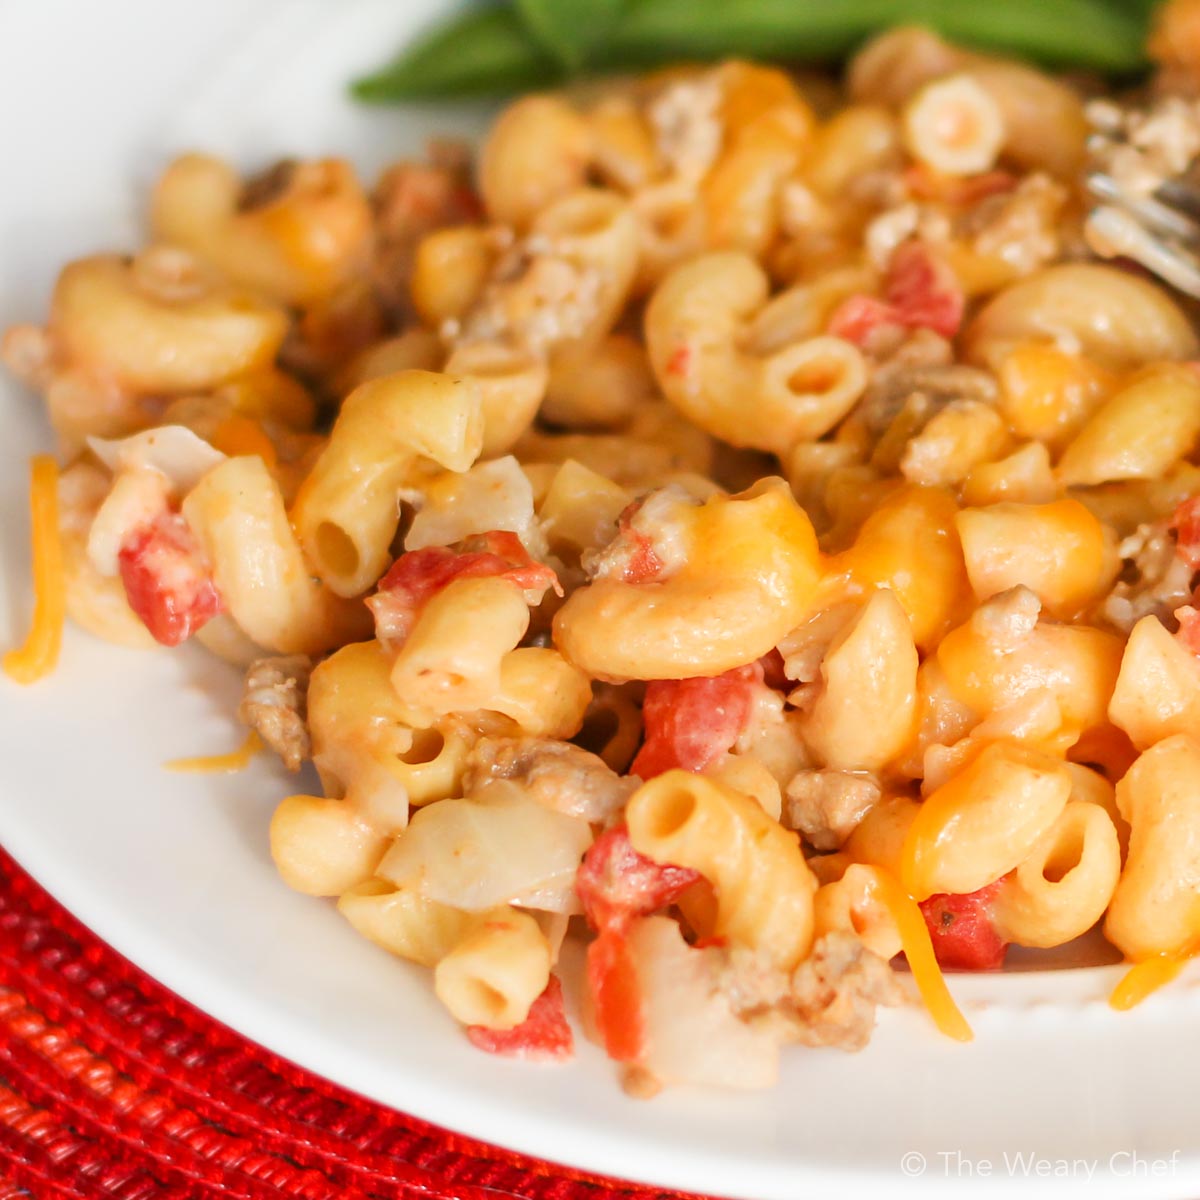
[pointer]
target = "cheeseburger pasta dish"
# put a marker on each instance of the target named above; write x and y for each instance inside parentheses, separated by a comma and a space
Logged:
(743, 523)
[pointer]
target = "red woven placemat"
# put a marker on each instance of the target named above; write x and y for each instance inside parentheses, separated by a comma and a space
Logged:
(112, 1086)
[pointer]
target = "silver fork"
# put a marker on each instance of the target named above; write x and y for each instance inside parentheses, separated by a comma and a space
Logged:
(1147, 209)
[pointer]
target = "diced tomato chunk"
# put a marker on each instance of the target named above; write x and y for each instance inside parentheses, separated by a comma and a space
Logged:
(643, 562)
(414, 578)
(544, 1035)
(962, 932)
(690, 723)
(167, 581)
(1186, 523)
(857, 317)
(616, 996)
(616, 884)
(920, 292)
(923, 290)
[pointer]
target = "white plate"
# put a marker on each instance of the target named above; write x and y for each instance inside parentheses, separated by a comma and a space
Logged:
(173, 870)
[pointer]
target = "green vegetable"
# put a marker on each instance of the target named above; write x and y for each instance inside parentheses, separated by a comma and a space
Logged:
(570, 30)
(485, 52)
(1085, 33)
(502, 49)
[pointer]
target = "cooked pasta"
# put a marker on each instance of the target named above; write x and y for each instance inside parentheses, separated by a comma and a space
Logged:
(764, 538)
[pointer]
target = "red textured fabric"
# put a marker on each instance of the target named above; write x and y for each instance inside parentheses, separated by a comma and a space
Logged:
(112, 1086)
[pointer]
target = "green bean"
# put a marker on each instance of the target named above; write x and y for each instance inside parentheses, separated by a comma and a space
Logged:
(569, 30)
(497, 50)
(1064, 32)
(485, 52)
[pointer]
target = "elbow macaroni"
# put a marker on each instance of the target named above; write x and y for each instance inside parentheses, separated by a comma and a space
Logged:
(346, 513)
(504, 465)
(764, 889)
(749, 578)
(693, 329)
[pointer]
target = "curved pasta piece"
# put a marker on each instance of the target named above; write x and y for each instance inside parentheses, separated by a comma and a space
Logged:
(1061, 889)
(237, 512)
(404, 922)
(452, 659)
(749, 576)
(364, 746)
(323, 847)
(855, 727)
(1111, 316)
(598, 387)
(1139, 432)
(1058, 550)
(492, 976)
(912, 523)
(694, 326)
(1156, 907)
(510, 383)
(160, 324)
(537, 151)
(763, 886)
(954, 126)
(346, 513)
(850, 905)
(94, 601)
(984, 821)
(1076, 664)
(308, 233)
(543, 693)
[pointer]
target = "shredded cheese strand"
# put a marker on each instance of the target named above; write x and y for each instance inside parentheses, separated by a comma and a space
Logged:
(39, 654)
(918, 949)
(235, 760)
(1146, 977)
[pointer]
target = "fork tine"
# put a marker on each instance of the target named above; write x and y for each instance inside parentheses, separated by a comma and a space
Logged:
(1153, 214)
(1113, 231)
(1183, 195)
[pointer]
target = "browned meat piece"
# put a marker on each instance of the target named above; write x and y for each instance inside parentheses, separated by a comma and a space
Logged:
(835, 991)
(825, 807)
(274, 704)
(555, 774)
(1156, 580)
(829, 1000)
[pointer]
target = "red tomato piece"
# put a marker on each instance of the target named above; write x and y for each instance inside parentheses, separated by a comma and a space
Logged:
(923, 290)
(1186, 523)
(690, 723)
(414, 578)
(167, 581)
(544, 1035)
(962, 932)
(616, 884)
(526, 572)
(920, 292)
(616, 996)
(643, 562)
(857, 317)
